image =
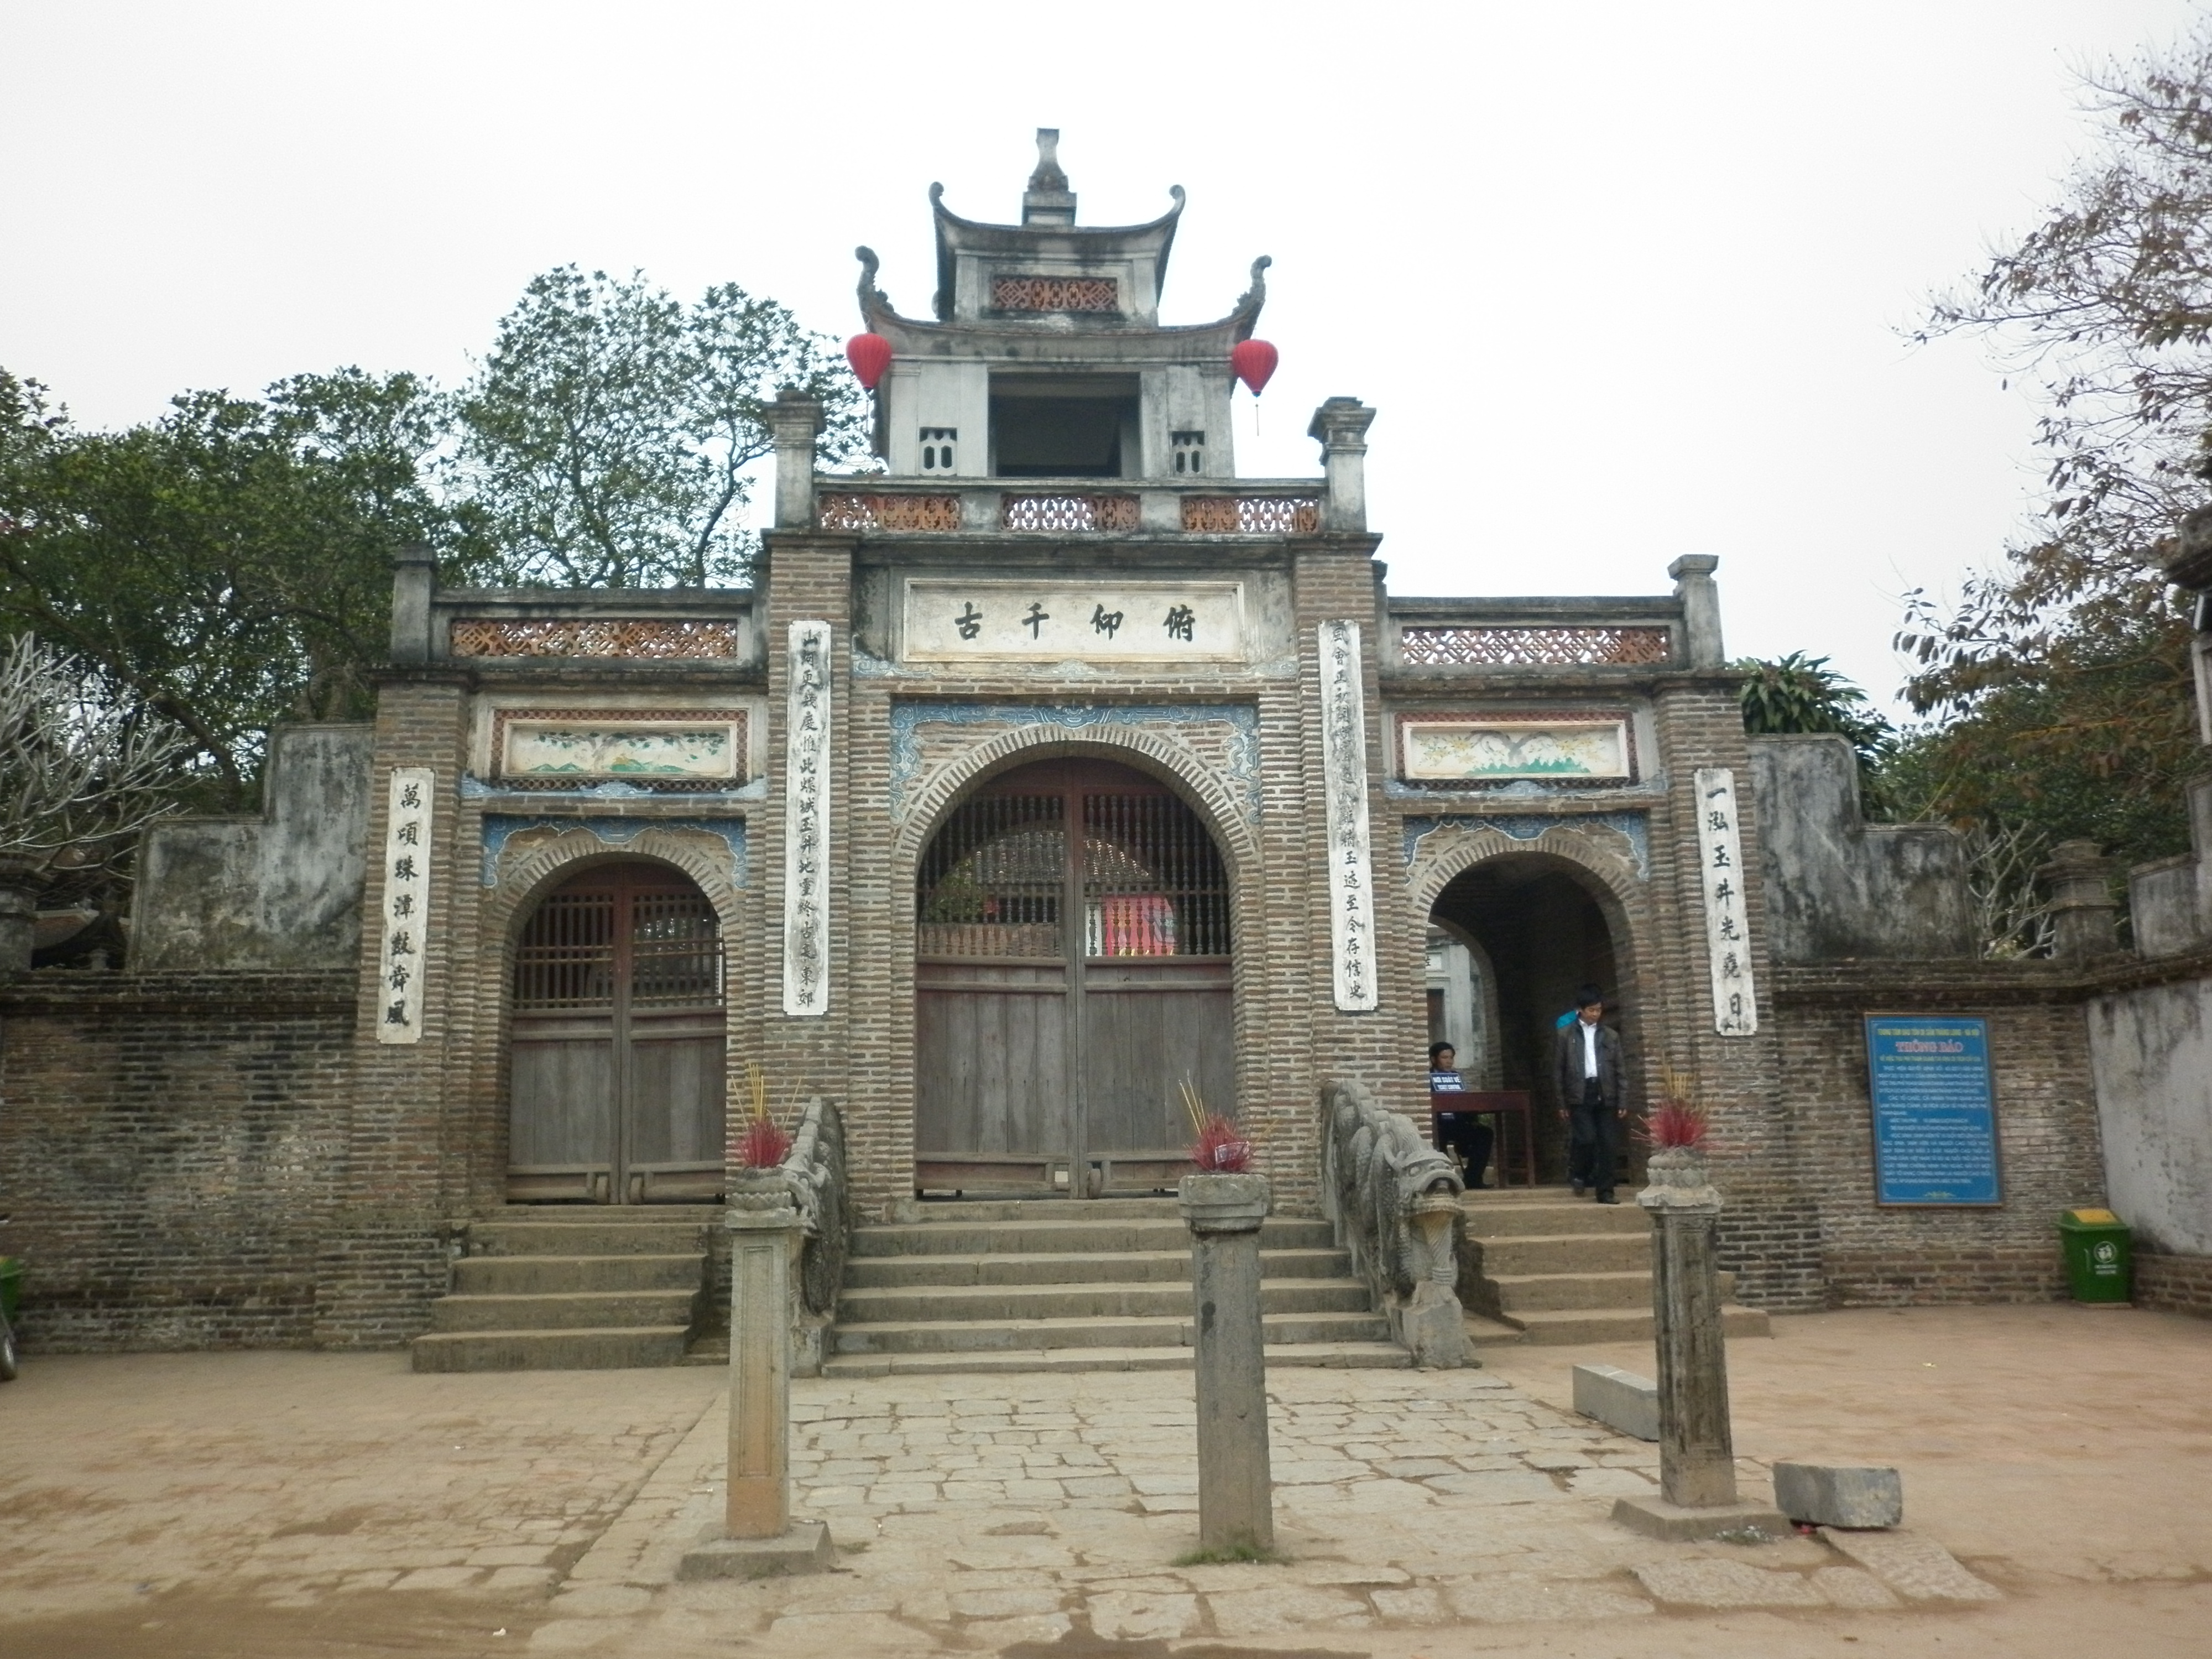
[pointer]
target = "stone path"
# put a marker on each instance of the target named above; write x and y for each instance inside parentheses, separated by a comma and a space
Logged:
(982, 1512)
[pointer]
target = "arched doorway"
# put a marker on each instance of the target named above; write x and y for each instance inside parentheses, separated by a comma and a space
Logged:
(1538, 933)
(616, 1044)
(1049, 1057)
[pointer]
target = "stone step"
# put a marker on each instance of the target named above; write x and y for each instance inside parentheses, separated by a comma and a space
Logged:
(581, 1350)
(1349, 1355)
(1075, 1267)
(1564, 1253)
(1030, 1237)
(573, 1310)
(969, 1211)
(591, 1236)
(1491, 1333)
(1557, 1326)
(531, 1275)
(1030, 1302)
(1155, 1331)
(1491, 1216)
(1534, 1292)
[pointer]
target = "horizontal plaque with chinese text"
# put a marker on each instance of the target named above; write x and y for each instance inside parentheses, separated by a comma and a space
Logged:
(1104, 620)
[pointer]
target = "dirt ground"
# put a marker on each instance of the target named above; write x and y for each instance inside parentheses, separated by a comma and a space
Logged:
(339, 1506)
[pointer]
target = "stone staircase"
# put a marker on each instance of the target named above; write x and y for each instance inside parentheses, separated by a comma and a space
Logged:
(1080, 1285)
(1550, 1268)
(572, 1289)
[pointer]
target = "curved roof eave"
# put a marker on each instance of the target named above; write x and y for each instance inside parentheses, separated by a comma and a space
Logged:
(1013, 238)
(879, 317)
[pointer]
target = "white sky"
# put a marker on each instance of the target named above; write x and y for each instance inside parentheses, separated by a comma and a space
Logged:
(1623, 279)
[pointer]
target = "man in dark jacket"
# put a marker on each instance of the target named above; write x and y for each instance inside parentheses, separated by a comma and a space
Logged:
(1589, 1073)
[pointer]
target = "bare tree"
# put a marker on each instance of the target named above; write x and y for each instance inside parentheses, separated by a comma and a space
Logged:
(81, 769)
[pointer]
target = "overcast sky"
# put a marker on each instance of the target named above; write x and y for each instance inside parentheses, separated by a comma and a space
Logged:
(1624, 279)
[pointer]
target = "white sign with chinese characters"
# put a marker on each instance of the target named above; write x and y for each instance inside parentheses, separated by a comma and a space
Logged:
(1352, 913)
(1104, 620)
(806, 824)
(1727, 936)
(406, 914)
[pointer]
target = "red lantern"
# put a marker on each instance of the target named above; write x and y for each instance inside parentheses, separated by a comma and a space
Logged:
(1255, 363)
(870, 355)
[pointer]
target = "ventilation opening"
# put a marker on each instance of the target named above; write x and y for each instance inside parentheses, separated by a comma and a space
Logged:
(937, 443)
(1064, 429)
(1189, 452)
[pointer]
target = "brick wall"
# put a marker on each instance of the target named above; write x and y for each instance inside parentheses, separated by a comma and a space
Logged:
(170, 1146)
(2049, 1159)
(2174, 1284)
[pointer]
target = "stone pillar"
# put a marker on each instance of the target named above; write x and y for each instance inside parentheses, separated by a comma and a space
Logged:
(414, 579)
(1696, 1452)
(1236, 1490)
(757, 1537)
(2082, 908)
(765, 1230)
(795, 420)
(1701, 609)
(1340, 427)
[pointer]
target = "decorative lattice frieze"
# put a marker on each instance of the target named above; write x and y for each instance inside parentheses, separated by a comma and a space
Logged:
(1056, 293)
(1539, 647)
(857, 512)
(1251, 516)
(1069, 513)
(582, 637)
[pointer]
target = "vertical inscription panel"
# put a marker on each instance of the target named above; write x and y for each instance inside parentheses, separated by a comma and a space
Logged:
(806, 824)
(1350, 872)
(1728, 938)
(405, 915)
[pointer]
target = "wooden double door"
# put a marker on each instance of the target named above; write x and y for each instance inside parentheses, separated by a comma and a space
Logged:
(1073, 972)
(615, 1075)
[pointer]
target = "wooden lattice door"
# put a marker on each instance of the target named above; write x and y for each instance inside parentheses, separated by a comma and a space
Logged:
(1049, 1057)
(616, 1092)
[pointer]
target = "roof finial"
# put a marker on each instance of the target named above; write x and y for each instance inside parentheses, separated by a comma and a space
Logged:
(1047, 200)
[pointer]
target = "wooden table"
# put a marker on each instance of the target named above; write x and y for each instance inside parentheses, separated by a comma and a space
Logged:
(1499, 1103)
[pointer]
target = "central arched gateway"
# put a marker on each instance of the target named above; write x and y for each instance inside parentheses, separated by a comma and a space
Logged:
(1072, 960)
(616, 1050)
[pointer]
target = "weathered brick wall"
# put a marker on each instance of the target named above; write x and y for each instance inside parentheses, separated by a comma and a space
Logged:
(170, 1146)
(2047, 1136)
(2174, 1284)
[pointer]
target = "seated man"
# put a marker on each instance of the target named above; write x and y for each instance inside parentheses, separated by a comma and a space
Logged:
(1463, 1134)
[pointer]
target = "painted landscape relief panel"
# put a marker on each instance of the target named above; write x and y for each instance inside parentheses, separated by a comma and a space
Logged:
(1482, 748)
(635, 750)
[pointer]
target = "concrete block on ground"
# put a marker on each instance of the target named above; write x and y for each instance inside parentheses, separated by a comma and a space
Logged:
(805, 1549)
(1654, 1518)
(1829, 1495)
(1620, 1399)
(1918, 1569)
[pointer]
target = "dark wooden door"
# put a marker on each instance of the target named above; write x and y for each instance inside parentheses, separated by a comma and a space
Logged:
(1050, 1058)
(616, 1068)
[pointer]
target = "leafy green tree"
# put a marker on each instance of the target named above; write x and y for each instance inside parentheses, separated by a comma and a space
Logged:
(1798, 693)
(225, 568)
(609, 439)
(2060, 680)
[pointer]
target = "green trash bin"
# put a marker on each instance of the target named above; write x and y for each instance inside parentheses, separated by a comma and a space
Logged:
(2100, 1255)
(11, 1285)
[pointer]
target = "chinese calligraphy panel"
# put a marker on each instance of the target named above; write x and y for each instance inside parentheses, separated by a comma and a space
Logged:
(1727, 937)
(806, 824)
(405, 918)
(1352, 912)
(1105, 621)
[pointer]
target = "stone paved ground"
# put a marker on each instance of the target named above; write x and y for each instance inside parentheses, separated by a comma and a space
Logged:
(309, 1506)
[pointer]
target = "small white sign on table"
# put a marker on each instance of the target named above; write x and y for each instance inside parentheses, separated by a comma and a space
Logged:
(405, 916)
(1352, 913)
(1727, 935)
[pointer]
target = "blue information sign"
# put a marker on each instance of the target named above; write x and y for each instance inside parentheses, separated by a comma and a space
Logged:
(1934, 1113)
